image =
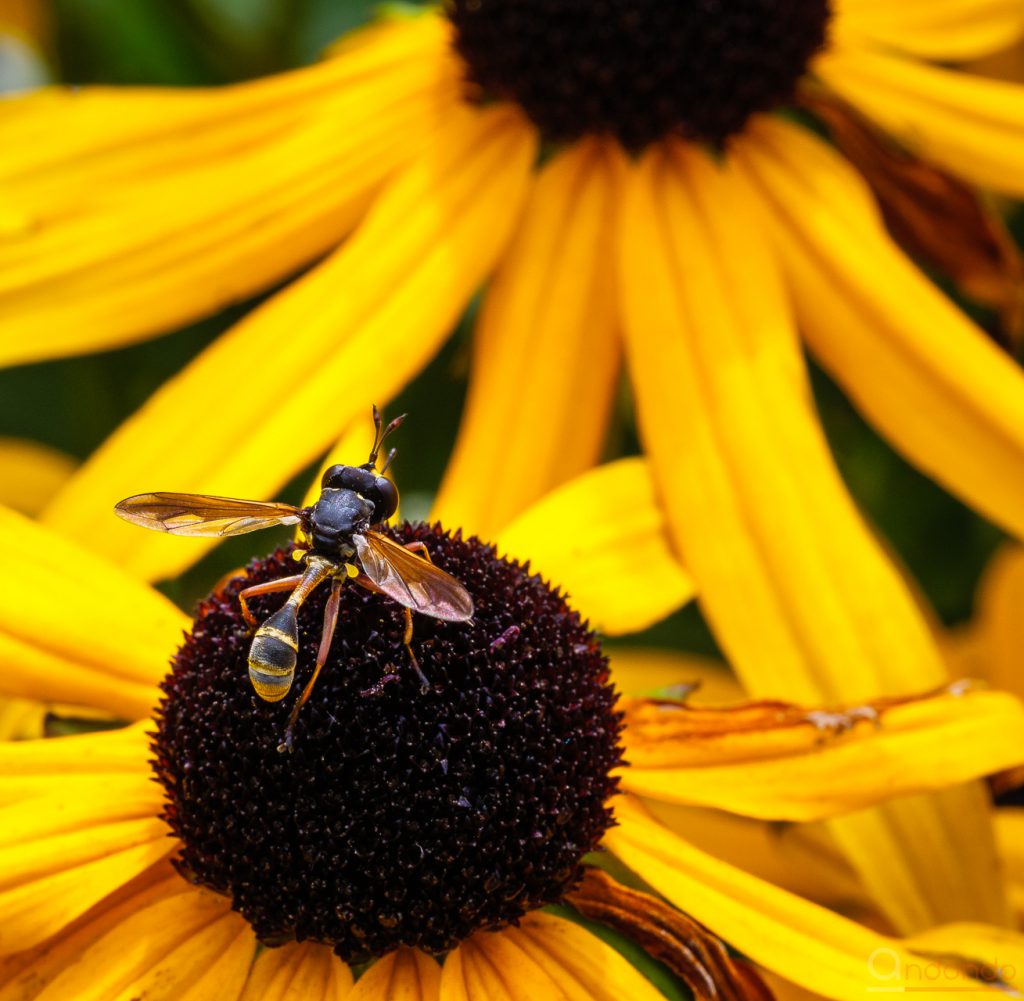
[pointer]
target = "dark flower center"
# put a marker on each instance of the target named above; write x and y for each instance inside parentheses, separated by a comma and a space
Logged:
(402, 817)
(639, 69)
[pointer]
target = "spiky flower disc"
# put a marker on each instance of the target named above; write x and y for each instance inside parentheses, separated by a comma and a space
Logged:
(639, 69)
(403, 817)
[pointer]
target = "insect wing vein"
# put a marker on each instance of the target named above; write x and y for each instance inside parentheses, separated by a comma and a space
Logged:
(412, 581)
(203, 515)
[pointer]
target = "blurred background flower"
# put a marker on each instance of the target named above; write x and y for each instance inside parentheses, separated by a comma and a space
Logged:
(24, 44)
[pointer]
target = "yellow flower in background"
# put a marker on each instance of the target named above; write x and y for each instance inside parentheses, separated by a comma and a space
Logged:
(989, 646)
(128, 212)
(30, 474)
(24, 31)
(91, 909)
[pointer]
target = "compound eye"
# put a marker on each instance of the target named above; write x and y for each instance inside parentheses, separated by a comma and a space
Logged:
(332, 478)
(385, 496)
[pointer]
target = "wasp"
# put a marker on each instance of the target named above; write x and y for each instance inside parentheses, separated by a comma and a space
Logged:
(343, 542)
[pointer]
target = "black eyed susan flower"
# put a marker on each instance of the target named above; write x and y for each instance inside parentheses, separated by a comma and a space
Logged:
(406, 166)
(407, 827)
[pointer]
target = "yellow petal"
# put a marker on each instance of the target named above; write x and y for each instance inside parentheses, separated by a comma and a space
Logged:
(352, 331)
(545, 959)
(304, 971)
(168, 249)
(67, 811)
(617, 569)
(24, 974)
(786, 990)
(545, 352)
(984, 954)
(801, 858)
(402, 975)
(932, 382)
(75, 629)
(639, 671)
(971, 125)
(933, 29)
(31, 473)
(63, 853)
(21, 719)
(804, 942)
(799, 592)
(129, 211)
(998, 628)
(800, 595)
(789, 766)
(37, 768)
(902, 851)
(183, 945)
(1010, 833)
(75, 141)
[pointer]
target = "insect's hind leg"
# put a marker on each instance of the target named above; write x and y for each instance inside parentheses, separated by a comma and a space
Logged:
(363, 581)
(330, 622)
(377, 688)
(420, 549)
(270, 587)
(407, 642)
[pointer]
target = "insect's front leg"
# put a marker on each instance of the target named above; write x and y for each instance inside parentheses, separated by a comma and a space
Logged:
(271, 587)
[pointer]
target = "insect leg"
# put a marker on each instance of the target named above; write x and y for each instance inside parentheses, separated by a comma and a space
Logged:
(363, 581)
(330, 622)
(420, 548)
(272, 586)
(407, 641)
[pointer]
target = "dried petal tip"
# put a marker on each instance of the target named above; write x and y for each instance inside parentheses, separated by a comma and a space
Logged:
(401, 818)
(685, 946)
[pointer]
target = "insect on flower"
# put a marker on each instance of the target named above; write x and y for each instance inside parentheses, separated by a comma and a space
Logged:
(343, 524)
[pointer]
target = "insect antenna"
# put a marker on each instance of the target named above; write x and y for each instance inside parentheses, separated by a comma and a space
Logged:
(388, 461)
(379, 436)
(377, 425)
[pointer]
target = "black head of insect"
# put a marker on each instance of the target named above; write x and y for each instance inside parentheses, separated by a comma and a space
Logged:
(353, 499)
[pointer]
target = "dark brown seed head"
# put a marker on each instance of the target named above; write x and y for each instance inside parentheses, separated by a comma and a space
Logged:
(639, 69)
(401, 818)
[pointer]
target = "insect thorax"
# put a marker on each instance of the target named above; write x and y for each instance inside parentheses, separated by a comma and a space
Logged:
(335, 516)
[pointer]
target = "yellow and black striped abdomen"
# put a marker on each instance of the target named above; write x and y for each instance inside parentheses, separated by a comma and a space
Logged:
(273, 654)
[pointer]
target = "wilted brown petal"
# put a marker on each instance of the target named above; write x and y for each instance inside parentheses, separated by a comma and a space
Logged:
(685, 946)
(937, 218)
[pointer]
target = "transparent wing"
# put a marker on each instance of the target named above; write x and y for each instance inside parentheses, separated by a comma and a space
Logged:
(199, 514)
(411, 580)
